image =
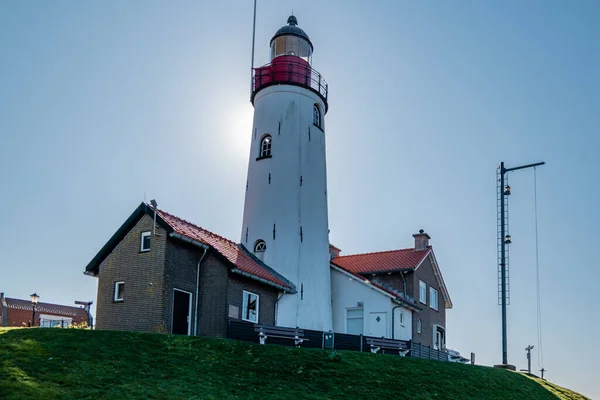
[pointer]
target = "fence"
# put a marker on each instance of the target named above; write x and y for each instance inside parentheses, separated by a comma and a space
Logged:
(418, 350)
(244, 331)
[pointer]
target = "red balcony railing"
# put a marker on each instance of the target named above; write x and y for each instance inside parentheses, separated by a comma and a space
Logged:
(289, 70)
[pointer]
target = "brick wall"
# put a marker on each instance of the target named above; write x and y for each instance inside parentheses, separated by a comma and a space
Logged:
(143, 273)
(19, 317)
(267, 297)
(428, 315)
(181, 264)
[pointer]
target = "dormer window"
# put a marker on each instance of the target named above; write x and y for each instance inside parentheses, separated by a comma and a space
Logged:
(260, 246)
(316, 116)
(265, 147)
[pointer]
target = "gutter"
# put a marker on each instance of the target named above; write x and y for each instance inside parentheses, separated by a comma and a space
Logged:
(393, 314)
(262, 280)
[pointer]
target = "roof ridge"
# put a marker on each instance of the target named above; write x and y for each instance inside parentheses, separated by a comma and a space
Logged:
(199, 227)
(381, 252)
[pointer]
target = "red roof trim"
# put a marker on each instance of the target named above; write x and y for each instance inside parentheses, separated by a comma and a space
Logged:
(233, 252)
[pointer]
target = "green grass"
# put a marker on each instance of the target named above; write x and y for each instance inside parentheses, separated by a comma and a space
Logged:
(77, 364)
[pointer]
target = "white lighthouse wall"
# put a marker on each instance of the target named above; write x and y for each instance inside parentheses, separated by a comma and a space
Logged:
(347, 292)
(286, 203)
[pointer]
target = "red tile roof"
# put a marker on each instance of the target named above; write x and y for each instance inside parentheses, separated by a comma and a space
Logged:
(383, 261)
(229, 249)
(46, 308)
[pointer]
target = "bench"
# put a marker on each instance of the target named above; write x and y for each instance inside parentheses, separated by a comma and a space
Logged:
(388, 344)
(280, 332)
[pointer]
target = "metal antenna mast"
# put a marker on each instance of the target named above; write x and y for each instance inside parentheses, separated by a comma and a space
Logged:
(504, 240)
(252, 62)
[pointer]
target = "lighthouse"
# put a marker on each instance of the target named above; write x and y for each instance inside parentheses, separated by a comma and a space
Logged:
(285, 221)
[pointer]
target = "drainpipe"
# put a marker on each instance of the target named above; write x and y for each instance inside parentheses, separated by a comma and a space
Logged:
(197, 289)
(205, 248)
(393, 324)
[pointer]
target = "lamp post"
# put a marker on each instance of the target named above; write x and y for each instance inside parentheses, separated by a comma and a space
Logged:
(34, 300)
(505, 239)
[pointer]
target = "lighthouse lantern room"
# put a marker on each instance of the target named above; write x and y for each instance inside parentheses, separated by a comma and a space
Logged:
(285, 219)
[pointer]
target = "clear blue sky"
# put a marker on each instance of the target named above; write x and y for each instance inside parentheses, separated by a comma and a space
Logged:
(101, 102)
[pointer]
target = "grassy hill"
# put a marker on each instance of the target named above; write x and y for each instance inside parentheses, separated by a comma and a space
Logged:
(77, 364)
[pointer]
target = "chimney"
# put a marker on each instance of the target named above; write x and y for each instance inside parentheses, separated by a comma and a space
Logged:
(421, 240)
(333, 251)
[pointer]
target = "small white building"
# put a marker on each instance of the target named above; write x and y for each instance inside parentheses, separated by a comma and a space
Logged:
(363, 307)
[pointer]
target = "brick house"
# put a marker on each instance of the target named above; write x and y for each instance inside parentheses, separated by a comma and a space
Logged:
(161, 273)
(18, 312)
(414, 276)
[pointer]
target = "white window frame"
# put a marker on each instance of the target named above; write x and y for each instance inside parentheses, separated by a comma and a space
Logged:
(266, 146)
(245, 306)
(317, 118)
(361, 318)
(144, 235)
(419, 325)
(422, 292)
(260, 246)
(116, 289)
(433, 298)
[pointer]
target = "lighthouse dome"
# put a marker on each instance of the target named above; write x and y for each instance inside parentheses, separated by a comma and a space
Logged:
(292, 29)
(290, 40)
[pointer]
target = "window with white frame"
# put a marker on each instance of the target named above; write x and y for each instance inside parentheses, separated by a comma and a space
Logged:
(119, 288)
(260, 246)
(354, 321)
(433, 298)
(265, 147)
(145, 242)
(419, 325)
(316, 116)
(422, 292)
(250, 307)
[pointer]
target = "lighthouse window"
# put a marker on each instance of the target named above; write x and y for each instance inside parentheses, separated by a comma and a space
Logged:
(316, 116)
(265, 147)
(260, 246)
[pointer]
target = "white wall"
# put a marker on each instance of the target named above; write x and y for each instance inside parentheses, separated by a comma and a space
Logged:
(346, 292)
(286, 113)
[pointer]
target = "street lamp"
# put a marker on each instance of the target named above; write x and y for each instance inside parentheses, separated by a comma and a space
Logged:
(34, 300)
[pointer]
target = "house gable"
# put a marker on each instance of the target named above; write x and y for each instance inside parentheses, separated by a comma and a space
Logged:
(143, 277)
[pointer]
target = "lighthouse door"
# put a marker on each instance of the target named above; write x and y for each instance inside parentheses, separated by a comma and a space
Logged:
(377, 324)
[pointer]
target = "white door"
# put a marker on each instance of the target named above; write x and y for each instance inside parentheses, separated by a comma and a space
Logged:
(377, 324)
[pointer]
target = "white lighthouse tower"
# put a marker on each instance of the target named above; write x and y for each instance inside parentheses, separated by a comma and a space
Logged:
(285, 212)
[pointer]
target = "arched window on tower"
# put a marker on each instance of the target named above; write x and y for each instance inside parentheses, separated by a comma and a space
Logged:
(265, 147)
(316, 116)
(259, 248)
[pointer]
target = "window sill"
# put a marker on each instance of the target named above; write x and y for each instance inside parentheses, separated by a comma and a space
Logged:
(247, 320)
(262, 158)
(118, 301)
(144, 251)
(317, 126)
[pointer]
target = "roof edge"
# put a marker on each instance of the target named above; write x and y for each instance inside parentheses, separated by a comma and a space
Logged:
(262, 280)
(292, 287)
(92, 268)
(376, 287)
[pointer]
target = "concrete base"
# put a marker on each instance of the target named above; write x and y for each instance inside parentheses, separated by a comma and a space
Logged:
(506, 366)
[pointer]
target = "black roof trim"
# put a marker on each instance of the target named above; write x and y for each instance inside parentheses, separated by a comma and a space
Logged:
(271, 270)
(143, 208)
